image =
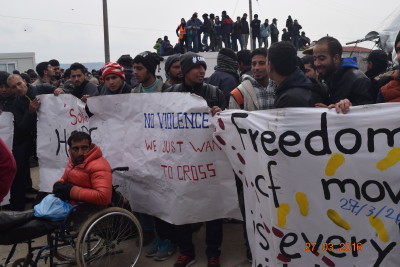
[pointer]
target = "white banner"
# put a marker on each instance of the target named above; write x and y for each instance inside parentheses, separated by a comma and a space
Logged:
(7, 134)
(321, 189)
(177, 171)
(58, 116)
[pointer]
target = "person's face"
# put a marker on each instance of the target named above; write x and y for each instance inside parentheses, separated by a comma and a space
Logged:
(369, 65)
(398, 52)
(18, 85)
(113, 82)
(310, 72)
(175, 71)
(33, 80)
(259, 67)
(50, 71)
(77, 151)
(5, 90)
(323, 61)
(141, 73)
(77, 77)
(57, 71)
(195, 75)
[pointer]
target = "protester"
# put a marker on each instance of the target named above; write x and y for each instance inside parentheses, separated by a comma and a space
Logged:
(193, 69)
(82, 87)
(56, 79)
(226, 29)
(45, 72)
(255, 92)
(206, 29)
(293, 87)
(296, 34)
(304, 41)
(390, 92)
(126, 61)
(7, 96)
(114, 80)
(245, 30)
(87, 176)
(173, 71)
(310, 69)
(225, 77)
(218, 33)
(182, 35)
(244, 60)
(237, 35)
(274, 31)
(255, 31)
(377, 64)
(265, 31)
(24, 110)
(144, 68)
(347, 85)
(192, 27)
(285, 35)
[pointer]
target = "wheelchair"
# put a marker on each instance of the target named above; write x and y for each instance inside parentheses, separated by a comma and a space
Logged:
(110, 236)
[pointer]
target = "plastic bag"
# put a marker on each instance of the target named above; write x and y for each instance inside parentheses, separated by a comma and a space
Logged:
(52, 208)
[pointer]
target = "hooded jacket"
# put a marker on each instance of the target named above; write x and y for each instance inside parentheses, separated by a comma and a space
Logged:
(91, 180)
(294, 91)
(348, 82)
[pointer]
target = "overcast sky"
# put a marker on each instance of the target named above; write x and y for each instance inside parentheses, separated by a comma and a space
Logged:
(73, 30)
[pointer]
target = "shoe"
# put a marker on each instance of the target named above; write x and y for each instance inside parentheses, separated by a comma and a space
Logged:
(184, 261)
(165, 251)
(151, 252)
(213, 262)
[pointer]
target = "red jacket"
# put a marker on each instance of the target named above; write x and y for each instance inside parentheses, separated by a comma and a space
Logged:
(8, 168)
(92, 179)
(391, 91)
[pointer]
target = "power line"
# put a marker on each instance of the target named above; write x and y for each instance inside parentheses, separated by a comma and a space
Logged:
(85, 24)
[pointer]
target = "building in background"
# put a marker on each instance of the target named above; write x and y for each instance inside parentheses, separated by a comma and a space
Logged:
(17, 61)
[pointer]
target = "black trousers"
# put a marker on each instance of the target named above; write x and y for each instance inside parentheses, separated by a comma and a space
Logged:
(213, 238)
(17, 193)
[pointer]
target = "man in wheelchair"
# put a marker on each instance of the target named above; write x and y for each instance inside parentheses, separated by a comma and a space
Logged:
(87, 177)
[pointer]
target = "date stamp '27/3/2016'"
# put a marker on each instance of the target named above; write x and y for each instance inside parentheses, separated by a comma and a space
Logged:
(312, 246)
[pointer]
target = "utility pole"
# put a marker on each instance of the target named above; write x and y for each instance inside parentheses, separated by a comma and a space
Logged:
(250, 18)
(106, 39)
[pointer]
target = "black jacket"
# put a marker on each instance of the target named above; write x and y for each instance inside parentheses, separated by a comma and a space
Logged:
(25, 122)
(294, 91)
(210, 93)
(255, 27)
(6, 103)
(245, 26)
(348, 82)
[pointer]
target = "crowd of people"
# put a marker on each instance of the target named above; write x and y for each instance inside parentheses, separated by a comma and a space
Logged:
(214, 32)
(251, 80)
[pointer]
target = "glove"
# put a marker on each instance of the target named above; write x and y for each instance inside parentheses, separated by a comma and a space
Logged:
(62, 190)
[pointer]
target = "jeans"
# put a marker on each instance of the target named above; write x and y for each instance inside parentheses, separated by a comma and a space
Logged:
(193, 39)
(204, 41)
(235, 38)
(254, 41)
(295, 41)
(264, 40)
(245, 38)
(227, 40)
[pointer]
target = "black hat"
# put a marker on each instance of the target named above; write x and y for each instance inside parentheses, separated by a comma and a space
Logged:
(377, 57)
(191, 60)
(125, 61)
(205, 15)
(149, 59)
(170, 60)
(229, 53)
(274, 19)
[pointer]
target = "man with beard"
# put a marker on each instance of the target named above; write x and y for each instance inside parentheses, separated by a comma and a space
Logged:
(82, 87)
(346, 84)
(173, 71)
(56, 79)
(256, 92)
(87, 176)
(45, 72)
(25, 106)
(193, 69)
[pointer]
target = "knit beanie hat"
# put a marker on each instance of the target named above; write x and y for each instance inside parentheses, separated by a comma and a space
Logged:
(170, 60)
(149, 59)
(191, 60)
(112, 68)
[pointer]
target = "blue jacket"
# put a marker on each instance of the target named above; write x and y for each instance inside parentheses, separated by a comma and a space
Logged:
(265, 30)
(191, 26)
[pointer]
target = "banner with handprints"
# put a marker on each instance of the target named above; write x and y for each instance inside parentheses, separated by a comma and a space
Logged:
(320, 188)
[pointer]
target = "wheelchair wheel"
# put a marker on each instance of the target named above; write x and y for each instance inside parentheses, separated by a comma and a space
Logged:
(111, 237)
(21, 263)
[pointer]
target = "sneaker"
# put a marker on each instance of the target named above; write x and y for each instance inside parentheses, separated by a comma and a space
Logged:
(213, 262)
(184, 261)
(165, 250)
(151, 252)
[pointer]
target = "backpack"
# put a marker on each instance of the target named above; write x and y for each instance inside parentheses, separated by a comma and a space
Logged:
(118, 200)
